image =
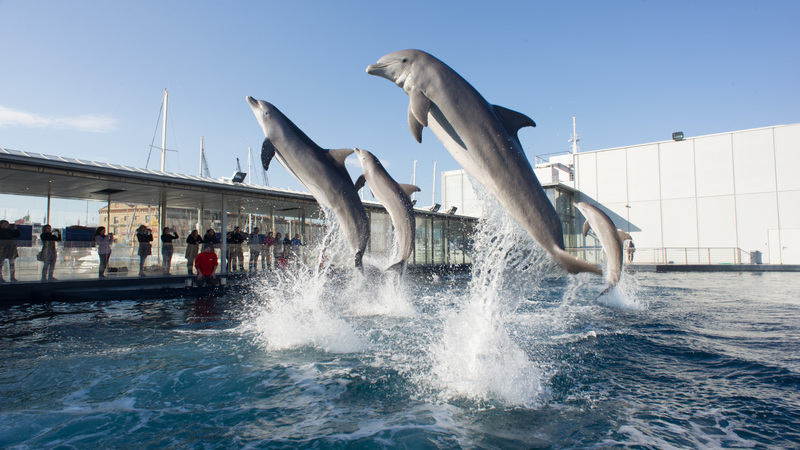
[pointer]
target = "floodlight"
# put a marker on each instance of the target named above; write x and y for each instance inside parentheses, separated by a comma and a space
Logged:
(238, 177)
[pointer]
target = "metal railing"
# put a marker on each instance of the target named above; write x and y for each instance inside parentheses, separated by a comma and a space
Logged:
(672, 255)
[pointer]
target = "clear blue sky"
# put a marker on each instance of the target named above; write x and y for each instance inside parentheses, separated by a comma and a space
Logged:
(84, 79)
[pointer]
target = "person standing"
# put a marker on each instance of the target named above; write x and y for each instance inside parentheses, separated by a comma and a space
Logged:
(8, 249)
(296, 244)
(235, 240)
(193, 242)
(103, 249)
(145, 238)
(205, 263)
(167, 249)
(49, 253)
(277, 250)
(631, 251)
(211, 238)
(255, 241)
(266, 251)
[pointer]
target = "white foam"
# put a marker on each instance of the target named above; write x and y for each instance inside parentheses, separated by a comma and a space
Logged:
(625, 295)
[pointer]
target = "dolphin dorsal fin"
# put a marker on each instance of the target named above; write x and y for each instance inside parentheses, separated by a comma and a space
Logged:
(409, 189)
(512, 120)
(267, 153)
(360, 182)
(623, 236)
(586, 228)
(340, 154)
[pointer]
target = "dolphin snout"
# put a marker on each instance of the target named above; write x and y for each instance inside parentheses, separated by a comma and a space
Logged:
(253, 102)
(377, 69)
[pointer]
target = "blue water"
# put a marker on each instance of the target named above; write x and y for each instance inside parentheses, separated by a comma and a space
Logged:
(700, 360)
(514, 356)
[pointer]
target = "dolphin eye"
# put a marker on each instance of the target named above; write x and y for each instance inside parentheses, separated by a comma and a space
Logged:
(405, 60)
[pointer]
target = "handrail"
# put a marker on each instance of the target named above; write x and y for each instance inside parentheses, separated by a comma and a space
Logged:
(674, 255)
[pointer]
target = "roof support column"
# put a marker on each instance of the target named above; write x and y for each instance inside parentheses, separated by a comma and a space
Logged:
(223, 236)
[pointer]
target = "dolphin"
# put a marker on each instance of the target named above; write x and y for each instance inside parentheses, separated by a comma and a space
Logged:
(483, 139)
(321, 171)
(396, 198)
(609, 236)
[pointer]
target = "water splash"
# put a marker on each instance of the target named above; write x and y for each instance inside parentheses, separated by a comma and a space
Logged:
(298, 307)
(476, 356)
(625, 295)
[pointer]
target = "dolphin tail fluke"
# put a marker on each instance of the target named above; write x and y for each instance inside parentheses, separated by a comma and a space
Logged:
(573, 264)
(358, 259)
(397, 267)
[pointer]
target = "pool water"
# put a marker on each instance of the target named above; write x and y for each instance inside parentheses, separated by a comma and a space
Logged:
(514, 356)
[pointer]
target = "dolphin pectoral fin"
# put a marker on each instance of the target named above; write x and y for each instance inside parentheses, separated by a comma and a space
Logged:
(409, 189)
(512, 121)
(586, 228)
(623, 236)
(267, 153)
(338, 155)
(360, 182)
(419, 106)
(414, 126)
(574, 265)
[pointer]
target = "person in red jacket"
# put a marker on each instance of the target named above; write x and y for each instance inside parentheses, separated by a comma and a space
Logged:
(205, 263)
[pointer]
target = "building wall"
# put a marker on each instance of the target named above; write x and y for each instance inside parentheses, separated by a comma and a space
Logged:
(457, 191)
(730, 190)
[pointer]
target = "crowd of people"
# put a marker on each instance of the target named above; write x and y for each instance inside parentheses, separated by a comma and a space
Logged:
(272, 252)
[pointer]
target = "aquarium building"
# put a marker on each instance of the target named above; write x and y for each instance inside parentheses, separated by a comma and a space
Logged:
(77, 196)
(727, 198)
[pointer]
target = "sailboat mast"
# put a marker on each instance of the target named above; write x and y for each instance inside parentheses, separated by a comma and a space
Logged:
(164, 134)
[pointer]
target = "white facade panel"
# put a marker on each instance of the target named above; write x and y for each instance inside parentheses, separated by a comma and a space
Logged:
(645, 223)
(716, 221)
(679, 221)
(586, 174)
(755, 214)
(790, 246)
(713, 156)
(612, 183)
(677, 169)
(643, 173)
(457, 190)
(787, 157)
(789, 207)
(754, 161)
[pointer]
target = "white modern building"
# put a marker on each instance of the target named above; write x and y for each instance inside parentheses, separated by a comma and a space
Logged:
(723, 198)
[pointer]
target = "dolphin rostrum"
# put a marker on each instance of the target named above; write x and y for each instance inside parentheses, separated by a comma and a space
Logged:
(321, 171)
(396, 198)
(483, 139)
(609, 236)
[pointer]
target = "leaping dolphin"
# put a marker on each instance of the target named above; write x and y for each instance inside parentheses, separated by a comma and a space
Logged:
(321, 171)
(609, 236)
(483, 139)
(396, 198)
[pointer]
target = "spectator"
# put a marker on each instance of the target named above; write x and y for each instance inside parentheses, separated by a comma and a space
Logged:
(206, 263)
(145, 238)
(8, 248)
(255, 240)
(193, 242)
(103, 249)
(49, 254)
(167, 248)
